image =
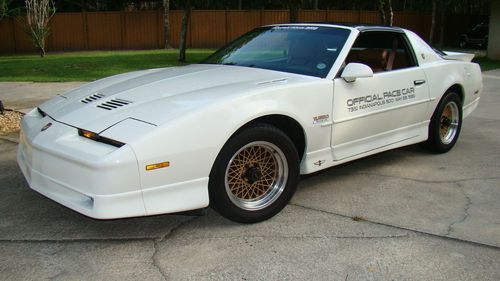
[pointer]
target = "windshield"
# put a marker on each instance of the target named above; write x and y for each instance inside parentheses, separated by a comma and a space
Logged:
(308, 50)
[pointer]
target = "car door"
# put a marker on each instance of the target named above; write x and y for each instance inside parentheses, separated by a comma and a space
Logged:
(379, 111)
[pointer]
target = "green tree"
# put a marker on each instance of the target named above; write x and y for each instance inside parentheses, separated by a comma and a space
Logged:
(4, 9)
(38, 14)
(7, 9)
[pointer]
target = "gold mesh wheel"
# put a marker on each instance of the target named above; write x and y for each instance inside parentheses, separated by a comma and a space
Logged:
(449, 123)
(256, 175)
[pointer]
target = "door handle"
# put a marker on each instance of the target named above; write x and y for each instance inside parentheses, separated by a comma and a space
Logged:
(418, 82)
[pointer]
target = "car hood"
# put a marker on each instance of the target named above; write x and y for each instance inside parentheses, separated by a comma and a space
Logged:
(158, 95)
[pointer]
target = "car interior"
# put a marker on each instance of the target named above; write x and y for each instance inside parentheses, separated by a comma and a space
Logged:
(381, 51)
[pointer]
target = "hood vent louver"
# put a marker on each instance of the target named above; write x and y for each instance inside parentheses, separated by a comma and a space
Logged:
(113, 104)
(92, 98)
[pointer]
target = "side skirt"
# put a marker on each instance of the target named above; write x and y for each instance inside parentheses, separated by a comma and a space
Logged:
(329, 157)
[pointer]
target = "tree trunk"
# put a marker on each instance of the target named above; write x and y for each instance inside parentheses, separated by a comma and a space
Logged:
(381, 10)
(391, 13)
(184, 26)
(166, 23)
(433, 22)
(42, 47)
(442, 24)
(315, 4)
(386, 12)
(240, 4)
(294, 6)
(294, 14)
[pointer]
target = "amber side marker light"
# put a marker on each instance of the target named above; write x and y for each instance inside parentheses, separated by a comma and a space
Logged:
(96, 137)
(157, 166)
(88, 134)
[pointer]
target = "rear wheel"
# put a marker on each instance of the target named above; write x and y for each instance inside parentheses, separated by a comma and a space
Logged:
(445, 124)
(255, 175)
(463, 44)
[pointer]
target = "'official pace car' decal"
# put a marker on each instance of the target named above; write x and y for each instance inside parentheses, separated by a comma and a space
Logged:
(376, 100)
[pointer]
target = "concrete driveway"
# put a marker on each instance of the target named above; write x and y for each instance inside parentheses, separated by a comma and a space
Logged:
(419, 216)
(23, 96)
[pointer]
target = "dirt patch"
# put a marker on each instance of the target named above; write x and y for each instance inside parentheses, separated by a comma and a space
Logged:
(9, 122)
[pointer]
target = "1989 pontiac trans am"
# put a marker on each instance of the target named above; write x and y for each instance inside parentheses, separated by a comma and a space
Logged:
(236, 131)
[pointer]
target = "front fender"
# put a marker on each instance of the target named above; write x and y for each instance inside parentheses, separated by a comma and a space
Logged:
(191, 141)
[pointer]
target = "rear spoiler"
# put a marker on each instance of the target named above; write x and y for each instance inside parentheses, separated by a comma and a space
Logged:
(458, 56)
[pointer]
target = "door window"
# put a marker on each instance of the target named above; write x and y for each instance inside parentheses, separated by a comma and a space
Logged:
(382, 51)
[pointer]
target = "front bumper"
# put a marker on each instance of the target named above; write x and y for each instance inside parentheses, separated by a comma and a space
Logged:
(92, 178)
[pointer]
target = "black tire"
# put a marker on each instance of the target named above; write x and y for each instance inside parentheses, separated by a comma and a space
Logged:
(255, 174)
(463, 44)
(446, 123)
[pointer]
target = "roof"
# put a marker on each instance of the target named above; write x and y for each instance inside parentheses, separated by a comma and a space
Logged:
(358, 26)
(378, 28)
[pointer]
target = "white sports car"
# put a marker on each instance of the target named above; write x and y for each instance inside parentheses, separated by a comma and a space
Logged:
(236, 131)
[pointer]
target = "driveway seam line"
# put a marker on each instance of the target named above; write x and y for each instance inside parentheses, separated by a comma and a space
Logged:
(420, 180)
(399, 227)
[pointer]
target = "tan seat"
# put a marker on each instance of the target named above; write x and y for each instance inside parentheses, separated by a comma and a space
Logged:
(400, 61)
(374, 58)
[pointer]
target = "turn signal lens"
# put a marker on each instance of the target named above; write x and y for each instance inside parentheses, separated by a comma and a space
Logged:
(157, 166)
(96, 137)
(88, 134)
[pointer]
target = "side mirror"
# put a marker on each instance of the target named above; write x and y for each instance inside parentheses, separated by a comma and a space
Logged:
(354, 71)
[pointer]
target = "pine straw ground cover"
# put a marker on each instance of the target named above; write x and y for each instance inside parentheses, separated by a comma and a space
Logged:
(9, 122)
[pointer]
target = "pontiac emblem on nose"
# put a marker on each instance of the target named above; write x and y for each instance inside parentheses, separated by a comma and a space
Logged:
(46, 127)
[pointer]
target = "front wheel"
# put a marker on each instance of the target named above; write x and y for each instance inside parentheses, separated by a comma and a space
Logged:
(446, 124)
(255, 175)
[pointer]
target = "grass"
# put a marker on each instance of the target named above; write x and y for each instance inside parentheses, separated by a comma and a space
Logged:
(88, 66)
(480, 58)
(487, 64)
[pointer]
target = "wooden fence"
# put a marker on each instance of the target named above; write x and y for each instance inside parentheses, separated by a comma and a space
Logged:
(207, 29)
